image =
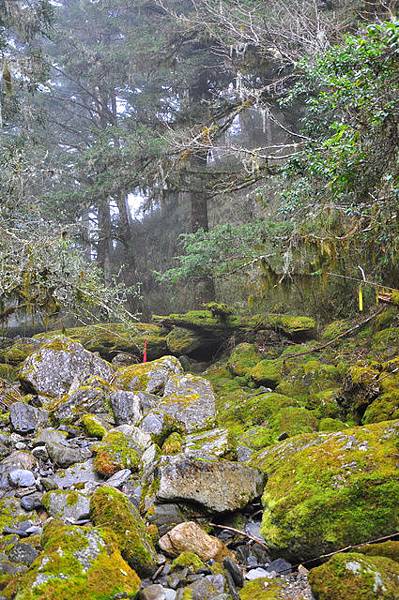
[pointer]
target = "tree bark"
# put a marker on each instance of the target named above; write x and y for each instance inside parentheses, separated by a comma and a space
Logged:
(104, 244)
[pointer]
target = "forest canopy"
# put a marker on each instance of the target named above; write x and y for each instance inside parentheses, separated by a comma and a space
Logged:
(159, 154)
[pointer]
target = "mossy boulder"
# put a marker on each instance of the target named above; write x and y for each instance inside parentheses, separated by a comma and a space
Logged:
(294, 421)
(297, 327)
(384, 408)
(148, 377)
(110, 508)
(354, 576)
(77, 563)
(388, 549)
(91, 397)
(257, 409)
(188, 560)
(308, 378)
(173, 444)
(93, 427)
(110, 339)
(115, 452)
(18, 351)
(385, 343)
(267, 372)
(51, 370)
(328, 424)
(326, 491)
(325, 404)
(183, 341)
(8, 373)
(262, 589)
(334, 329)
(243, 358)
(360, 388)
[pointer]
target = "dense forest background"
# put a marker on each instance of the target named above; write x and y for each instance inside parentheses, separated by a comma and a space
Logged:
(156, 155)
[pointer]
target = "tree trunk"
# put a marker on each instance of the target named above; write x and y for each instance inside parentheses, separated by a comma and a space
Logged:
(104, 244)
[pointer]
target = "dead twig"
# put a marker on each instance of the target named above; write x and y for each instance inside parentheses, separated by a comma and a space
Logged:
(239, 532)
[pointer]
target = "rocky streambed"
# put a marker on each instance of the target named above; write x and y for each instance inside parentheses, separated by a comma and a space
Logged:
(127, 480)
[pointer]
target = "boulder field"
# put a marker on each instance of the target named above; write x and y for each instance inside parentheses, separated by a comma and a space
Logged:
(268, 471)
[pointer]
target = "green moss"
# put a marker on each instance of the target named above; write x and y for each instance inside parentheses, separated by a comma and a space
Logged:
(17, 353)
(385, 343)
(187, 594)
(324, 404)
(293, 421)
(256, 438)
(173, 444)
(388, 318)
(110, 508)
(363, 374)
(137, 377)
(384, 408)
(267, 372)
(293, 326)
(354, 576)
(309, 378)
(188, 560)
(78, 563)
(8, 373)
(114, 453)
(262, 589)
(110, 338)
(388, 549)
(93, 427)
(329, 424)
(243, 358)
(327, 491)
(182, 341)
(332, 330)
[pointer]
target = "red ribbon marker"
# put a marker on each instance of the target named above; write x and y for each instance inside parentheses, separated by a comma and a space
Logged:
(145, 351)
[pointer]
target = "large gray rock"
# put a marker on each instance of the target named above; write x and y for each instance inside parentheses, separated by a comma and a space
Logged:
(58, 364)
(126, 407)
(219, 486)
(92, 398)
(79, 474)
(210, 443)
(190, 400)
(26, 419)
(148, 377)
(66, 505)
(64, 454)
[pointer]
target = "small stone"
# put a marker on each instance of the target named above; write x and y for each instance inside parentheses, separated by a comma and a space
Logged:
(279, 566)
(119, 478)
(48, 483)
(190, 537)
(31, 502)
(40, 452)
(232, 567)
(23, 553)
(283, 436)
(153, 592)
(21, 478)
(257, 574)
(34, 530)
(20, 446)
